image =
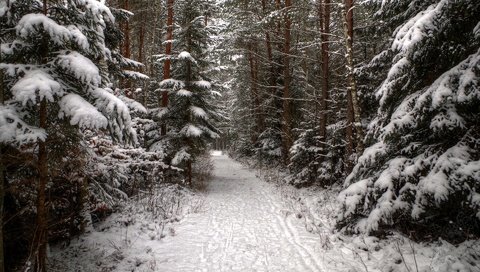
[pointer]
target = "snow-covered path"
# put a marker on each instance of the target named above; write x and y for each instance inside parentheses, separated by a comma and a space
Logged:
(243, 228)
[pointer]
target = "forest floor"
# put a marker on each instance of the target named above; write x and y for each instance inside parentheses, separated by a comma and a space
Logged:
(244, 223)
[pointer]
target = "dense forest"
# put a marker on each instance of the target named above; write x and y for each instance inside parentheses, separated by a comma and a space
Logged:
(376, 102)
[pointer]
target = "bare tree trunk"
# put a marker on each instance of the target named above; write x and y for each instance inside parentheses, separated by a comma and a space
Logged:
(141, 57)
(42, 228)
(153, 48)
(287, 115)
(2, 176)
(40, 237)
(268, 44)
(168, 52)
(324, 10)
(257, 111)
(352, 86)
(141, 44)
(126, 52)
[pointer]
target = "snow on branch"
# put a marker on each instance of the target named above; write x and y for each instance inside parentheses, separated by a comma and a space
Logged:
(81, 112)
(33, 23)
(199, 112)
(186, 56)
(36, 84)
(135, 75)
(120, 123)
(203, 84)
(81, 67)
(13, 130)
(172, 83)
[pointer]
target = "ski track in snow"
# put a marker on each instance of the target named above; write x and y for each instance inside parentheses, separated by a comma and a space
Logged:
(244, 228)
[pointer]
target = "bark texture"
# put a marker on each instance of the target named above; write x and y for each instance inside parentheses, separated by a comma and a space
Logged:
(168, 52)
(287, 112)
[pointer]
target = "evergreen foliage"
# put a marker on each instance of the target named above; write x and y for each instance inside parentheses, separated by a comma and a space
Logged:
(422, 169)
(191, 115)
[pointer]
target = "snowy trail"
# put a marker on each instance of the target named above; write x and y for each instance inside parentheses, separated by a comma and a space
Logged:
(244, 228)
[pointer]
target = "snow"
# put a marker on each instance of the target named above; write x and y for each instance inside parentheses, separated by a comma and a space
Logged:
(198, 112)
(191, 130)
(181, 156)
(80, 66)
(242, 226)
(172, 83)
(79, 37)
(133, 105)
(202, 84)
(81, 112)
(246, 224)
(183, 92)
(13, 130)
(135, 75)
(418, 27)
(32, 23)
(217, 153)
(186, 56)
(36, 84)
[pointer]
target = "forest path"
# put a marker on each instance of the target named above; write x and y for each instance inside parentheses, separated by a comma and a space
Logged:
(244, 227)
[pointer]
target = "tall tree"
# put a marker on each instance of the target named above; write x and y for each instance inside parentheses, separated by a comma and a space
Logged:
(287, 111)
(354, 110)
(324, 14)
(58, 84)
(421, 171)
(168, 53)
(191, 114)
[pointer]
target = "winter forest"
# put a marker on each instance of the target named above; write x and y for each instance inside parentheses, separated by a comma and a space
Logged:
(240, 135)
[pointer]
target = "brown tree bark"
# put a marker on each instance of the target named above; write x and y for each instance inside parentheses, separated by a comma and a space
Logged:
(168, 52)
(268, 45)
(324, 10)
(141, 44)
(353, 103)
(154, 45)
(287, 115)
(126, 52)
(257, 111)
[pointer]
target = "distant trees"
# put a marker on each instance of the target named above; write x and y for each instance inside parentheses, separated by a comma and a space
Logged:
(340, 98)
(295, 86)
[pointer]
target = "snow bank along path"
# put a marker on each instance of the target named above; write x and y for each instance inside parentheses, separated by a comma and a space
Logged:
(243, 228)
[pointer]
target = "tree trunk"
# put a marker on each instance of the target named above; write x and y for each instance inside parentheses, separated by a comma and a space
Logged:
(125, 83)
(287, 115)
(141, 44)
(40, 237)
(354, 106)
(154, 48)
(2, 176)
(257, 111)
(324, 10)
(41, 233)
(168, 52)
(268, 44)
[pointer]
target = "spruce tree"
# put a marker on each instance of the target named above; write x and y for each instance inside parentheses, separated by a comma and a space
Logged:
(422, 168)
(190, 116)
(57, 58)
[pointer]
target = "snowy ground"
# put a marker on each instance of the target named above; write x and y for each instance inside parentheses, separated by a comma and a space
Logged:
(246, 224)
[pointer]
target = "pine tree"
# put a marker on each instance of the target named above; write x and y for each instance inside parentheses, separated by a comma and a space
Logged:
(422, 168)
(56, 58)
(190, 116)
